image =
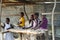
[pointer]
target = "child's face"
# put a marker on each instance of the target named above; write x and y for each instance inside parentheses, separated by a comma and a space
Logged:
(35, 16)
(21, 15)
(7, 21)
(43, 16)
(32, 17)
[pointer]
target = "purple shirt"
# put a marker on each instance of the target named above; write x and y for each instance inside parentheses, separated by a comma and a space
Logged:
(44, 23)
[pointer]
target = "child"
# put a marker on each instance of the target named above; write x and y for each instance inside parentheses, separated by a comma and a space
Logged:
(44, 23)
(36, 21)
(22, 20)
(30, 22)
(8, 35)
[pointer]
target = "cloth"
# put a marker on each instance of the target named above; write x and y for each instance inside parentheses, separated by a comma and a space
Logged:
(8, 35)
(36, 22)
(22, 19)
(44, 23)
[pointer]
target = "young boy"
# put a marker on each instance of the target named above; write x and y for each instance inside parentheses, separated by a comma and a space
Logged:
(30, 22)
(43, 27)
(8, 35)
(36, 21)
(44, 23)
(22, 20)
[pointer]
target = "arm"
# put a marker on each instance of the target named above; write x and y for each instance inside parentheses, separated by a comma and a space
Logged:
(2, 25)
(20, 21)
(12, 26)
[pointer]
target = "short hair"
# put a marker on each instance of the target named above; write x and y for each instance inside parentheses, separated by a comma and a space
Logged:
(22, 13)
(37, 14)
(43, 15)
(8, 19)
(32, 15)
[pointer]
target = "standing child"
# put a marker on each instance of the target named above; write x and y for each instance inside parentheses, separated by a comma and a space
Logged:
(7, 25)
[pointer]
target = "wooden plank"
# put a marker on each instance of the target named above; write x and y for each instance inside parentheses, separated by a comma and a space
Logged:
(4, 15)
(16, 4)
(22, 31)
(21, 2)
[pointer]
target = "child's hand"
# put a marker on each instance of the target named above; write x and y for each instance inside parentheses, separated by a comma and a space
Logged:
(32, 28)
(7, 30)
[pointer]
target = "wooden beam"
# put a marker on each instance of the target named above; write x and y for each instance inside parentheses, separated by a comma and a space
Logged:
(23, 31)
(20, 2)
(17, 3)
(4, 15)
(25, 0)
